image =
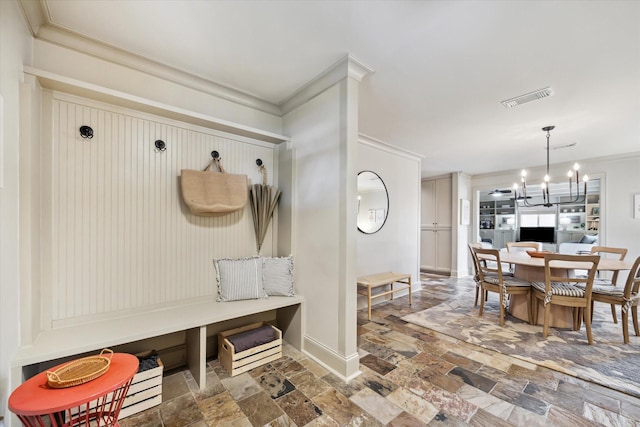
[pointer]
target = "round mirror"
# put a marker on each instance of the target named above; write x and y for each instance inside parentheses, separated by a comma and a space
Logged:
(373, 202)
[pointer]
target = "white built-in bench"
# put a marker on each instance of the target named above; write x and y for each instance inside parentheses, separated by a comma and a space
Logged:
(193, 318)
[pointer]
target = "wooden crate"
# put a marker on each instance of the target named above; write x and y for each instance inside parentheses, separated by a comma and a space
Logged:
(145, 391)
(237, 363)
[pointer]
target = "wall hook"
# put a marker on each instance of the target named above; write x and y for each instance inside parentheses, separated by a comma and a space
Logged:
(160, 145)
(86, 132)
(215, 154)
(259, 162)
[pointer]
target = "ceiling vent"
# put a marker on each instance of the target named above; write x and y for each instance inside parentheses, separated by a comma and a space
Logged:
(522, 99)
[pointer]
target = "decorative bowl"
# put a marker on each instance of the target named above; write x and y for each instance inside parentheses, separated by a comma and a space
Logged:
(538, 254)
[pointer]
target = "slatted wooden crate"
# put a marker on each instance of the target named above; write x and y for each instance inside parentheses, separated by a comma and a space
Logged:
(145, 391)
(237, 363)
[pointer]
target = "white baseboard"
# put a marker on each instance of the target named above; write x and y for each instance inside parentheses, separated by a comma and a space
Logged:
(345, 367)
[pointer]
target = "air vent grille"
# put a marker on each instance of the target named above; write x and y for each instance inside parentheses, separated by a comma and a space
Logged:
(533, 96)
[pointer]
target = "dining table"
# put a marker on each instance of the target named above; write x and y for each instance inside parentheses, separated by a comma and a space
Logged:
(531, 269)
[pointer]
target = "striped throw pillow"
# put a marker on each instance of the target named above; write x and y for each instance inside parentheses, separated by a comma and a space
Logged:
(239, 279)
(278, 276)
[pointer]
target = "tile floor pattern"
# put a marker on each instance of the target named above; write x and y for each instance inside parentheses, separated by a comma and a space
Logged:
(411, 376)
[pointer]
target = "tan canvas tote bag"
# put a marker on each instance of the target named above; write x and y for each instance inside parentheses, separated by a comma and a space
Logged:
(210, 193)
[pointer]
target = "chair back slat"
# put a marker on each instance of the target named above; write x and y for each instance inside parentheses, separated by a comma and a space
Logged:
(484, 255)
(621, 252)
(474, 258)
(523, 246)
(632, 286)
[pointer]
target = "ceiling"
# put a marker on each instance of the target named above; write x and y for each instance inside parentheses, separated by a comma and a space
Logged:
(441, 67)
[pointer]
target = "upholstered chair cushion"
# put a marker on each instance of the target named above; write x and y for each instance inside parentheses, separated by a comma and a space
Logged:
(560, 289)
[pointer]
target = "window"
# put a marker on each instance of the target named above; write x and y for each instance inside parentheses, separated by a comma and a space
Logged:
(537, 220)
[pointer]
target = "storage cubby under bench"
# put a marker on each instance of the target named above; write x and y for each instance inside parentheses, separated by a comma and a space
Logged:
(193, 318)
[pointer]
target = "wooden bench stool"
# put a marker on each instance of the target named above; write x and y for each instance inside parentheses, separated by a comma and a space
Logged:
(366, 283)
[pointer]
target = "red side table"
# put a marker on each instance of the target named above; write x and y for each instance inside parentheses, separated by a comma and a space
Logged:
(98, 401)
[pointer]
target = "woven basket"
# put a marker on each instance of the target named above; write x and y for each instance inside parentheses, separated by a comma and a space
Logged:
(80, 371)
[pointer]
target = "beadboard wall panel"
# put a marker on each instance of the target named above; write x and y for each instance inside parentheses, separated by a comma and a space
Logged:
(123, 239)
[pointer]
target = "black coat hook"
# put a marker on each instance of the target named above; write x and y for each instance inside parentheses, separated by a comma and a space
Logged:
(215, 154)
(86, 132)
(160, 145)
(259, 162)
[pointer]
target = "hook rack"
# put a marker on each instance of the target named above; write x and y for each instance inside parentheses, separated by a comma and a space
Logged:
(160, 145)
(86, 132)
(215, 154)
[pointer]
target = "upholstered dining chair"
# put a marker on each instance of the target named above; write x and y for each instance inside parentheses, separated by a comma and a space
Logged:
(626, 298)
(557, 289)
(604, 250)
(492, 279)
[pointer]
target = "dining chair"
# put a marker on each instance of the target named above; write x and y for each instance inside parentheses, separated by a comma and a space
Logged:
(476, 269)
(522, 247)
(626, 298)
(557, 289)
(604, 250)
(492, 279)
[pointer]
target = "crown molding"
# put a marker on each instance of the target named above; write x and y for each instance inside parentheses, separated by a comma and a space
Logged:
(388, 148)
(34, 14)
(347, 66)
(44, 29)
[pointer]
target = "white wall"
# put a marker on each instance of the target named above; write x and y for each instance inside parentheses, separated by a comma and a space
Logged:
(69, 63)
(396, 246)
(15, 50)
(323, 209)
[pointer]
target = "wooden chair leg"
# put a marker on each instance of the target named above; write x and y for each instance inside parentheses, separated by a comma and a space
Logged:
(613, 313)
(587, 322)
(482, 298)
(547, 316)
(534, 309)
(475, 301)
(625, 327)
(634, 315)
(502, 310)
(529, 308)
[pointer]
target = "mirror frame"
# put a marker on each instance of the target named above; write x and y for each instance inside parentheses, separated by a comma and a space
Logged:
(386, 215)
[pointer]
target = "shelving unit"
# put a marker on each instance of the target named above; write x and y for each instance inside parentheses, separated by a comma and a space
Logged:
(495, 214)
(593, 214)
(498, 221)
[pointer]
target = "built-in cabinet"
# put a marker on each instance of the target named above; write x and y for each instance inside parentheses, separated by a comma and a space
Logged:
(436, 233)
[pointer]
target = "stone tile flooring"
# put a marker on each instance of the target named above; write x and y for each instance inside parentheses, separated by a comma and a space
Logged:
(411, 376)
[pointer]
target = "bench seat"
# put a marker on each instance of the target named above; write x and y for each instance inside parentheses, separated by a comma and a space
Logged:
(193, 317)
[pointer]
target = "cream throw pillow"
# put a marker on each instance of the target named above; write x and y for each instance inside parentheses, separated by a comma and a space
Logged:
(277, 276)
(239, 279)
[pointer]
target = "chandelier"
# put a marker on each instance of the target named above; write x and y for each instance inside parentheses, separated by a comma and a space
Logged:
(546, 199)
